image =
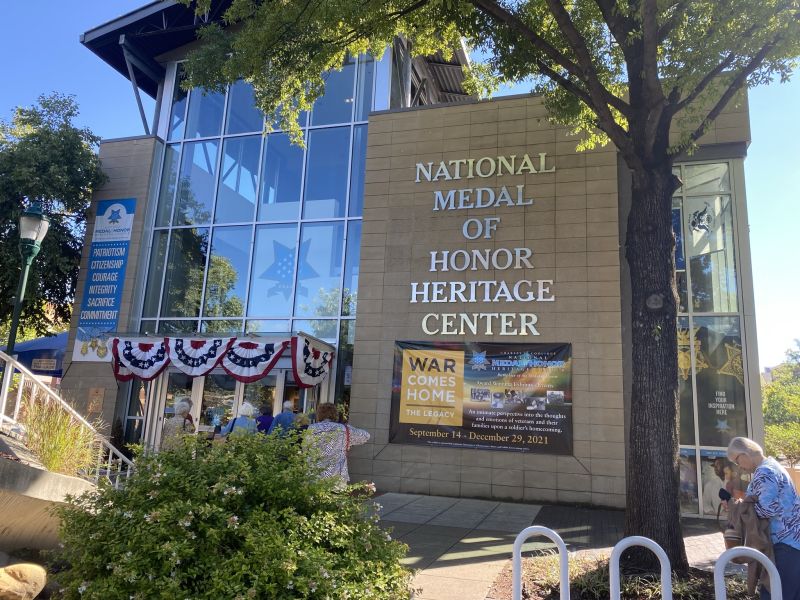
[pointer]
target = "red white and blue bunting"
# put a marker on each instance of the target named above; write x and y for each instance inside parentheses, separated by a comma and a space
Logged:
(248, 360)
(144, 359)
(311, 362)
(197, 357)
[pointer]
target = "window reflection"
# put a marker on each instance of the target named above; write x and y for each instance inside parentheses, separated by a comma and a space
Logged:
(169, 180)
(358, 168)
(226, 282)
(336, 104)
(685, 342)
(175, 327)
(236, 198)
(719, 369)
(243, 116)
(155, 271)
(364, 87)
(273, 269)
(178, 113)
(324, 329)
(183, 280)
(326, 174)
(350, 289)
(205, 114)
(344, 361)
(706, 179)
(283, 177)
(220, 326)
(196, 185)
(709, 238)
(319, 269)
(267, 326)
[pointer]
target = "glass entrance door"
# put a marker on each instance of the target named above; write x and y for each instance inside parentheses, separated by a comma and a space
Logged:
(218, 402)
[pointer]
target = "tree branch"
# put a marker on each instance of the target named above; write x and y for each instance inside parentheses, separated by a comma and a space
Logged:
(649, 71)
(737, 84)
(617, 25)
(669, 25)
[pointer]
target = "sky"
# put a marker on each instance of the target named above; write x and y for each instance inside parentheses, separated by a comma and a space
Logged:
(42, 53)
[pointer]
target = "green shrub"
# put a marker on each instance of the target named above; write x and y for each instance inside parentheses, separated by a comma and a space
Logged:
(60, 442)
(783, 441)
(243, 519)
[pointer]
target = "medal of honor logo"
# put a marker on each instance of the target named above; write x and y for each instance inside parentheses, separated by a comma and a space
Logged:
(478, 361)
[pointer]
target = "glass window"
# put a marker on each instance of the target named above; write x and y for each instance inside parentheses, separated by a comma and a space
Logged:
(719, 374)
(344, 361)
(169, 180)
(680, 258)
(133, 430)
(218, 326)
(243, 116)
(236, 198)
(184, 277)
(205, 113)
(226, 281)
(319, 269)
(708, 224)
(688, 489)
(273, 269)
(216, 406)
(350, 289)
(196, 185)
(261, 394)
(357, 169)
(685, 341)
(716, 473)
(326, 173)
(324, 329)
(268, 326)
(283, 177)
(364, 87)
(336, 103)
(177, 326)
(155, 271)
(147, 327)
(706, 179)
(178, 112)
(138, 398)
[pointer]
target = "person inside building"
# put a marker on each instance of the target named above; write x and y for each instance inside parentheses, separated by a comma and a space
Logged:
(243, 423)
(332, 440)
(178, 425)
(777, 501)
(264, 420)
(284, 421)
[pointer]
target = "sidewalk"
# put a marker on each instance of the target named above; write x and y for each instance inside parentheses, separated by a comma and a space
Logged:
(459, 546)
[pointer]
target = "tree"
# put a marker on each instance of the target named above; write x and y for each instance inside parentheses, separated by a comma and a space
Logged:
(44, 156)
(624, 72)
(782, 394)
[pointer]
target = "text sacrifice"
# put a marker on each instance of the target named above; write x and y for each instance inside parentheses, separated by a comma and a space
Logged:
(468, 261)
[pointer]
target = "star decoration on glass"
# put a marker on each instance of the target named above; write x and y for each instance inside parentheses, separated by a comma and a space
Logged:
(115, 216)
(478, 361)
(282, 268)
(733, 366)
(722, 425)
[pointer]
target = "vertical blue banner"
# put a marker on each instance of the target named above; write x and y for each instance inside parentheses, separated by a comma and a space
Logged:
(105, 279)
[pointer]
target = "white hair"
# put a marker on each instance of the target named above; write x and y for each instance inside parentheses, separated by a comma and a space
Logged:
(247, 410)
(743, 445)
(288, 405)
(183, 406)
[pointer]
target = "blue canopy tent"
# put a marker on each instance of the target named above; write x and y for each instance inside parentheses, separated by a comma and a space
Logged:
(44, 355)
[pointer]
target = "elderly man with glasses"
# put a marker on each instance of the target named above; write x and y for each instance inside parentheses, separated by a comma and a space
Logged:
(779, 502)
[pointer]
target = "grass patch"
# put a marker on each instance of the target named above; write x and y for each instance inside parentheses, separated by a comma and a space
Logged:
(59, 441)
(589, 580)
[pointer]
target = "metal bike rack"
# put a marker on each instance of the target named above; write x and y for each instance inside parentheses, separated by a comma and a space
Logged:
(637, 540)
(721, 593)
(524, 535)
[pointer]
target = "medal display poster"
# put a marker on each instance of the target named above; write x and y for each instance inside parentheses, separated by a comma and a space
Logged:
(483, 395)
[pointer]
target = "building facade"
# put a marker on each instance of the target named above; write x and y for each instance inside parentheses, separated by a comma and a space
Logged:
(462, 258)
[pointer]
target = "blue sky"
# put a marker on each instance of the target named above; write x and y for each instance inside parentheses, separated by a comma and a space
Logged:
(41, 53)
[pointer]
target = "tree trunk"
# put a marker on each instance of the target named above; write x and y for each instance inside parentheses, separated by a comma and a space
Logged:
(653, 475)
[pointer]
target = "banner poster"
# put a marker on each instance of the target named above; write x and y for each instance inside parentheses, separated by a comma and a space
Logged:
(483, 395)
(105, 277)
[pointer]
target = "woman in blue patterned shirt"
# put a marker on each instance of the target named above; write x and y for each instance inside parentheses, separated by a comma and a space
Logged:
(777, 501)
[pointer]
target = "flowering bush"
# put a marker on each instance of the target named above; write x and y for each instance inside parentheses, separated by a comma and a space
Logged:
(244, 519)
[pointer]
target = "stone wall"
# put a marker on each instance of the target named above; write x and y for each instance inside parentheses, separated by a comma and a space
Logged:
(572, 228)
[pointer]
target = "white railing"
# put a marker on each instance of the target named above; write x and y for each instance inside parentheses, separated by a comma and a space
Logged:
(516, 566)
(720, 593)
(19, 385)
(638, 540)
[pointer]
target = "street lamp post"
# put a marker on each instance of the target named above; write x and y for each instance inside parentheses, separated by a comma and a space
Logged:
(33, 226)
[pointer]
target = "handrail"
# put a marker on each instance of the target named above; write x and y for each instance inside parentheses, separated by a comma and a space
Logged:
(516, 569)
(115, 464)
(638, 540)
(721, 593)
